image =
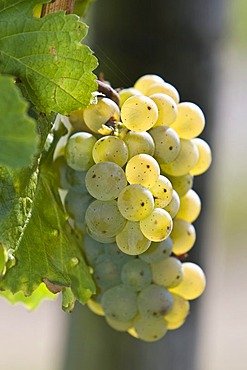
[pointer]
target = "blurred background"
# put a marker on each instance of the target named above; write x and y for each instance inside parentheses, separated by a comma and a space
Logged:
(199, 47)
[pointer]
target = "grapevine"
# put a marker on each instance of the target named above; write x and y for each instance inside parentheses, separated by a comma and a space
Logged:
(96, 191)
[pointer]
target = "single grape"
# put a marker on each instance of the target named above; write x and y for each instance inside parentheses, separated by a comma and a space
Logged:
(119, 303)
(104, 219)
(162, 192)
(92, 249)
(142, 169)
(96, 115)
(167, 109)
(78, 151)
(131, 240)
(107, 272)
(172, 325)
(119, 325)
(179, 310)
(167, 272)
(164, 88)
(157, 226)
(193, 283)
(110, 149)
(181, 184)
(190, 206)
(137, 274)
(139, 143)
(167, 143)
(135, 202)
(144, 82)
(173, 206)
(190, 121)
(149, 329)
(205, 157)
(105, 180)
(154, 301)
(76, 204)
(157, 251)
(139, 113)
(124, 94)
(183, 236)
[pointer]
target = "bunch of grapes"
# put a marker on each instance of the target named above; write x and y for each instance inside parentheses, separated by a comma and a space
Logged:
(128, 171)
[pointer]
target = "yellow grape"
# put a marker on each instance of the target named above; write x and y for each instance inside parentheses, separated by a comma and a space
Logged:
(190, 206)
(131, 240)
(164, 88)
(142, 169)
(205, 157)
(144, 82)
(157, 226)
(183, 236)
(173, 206)
(179, 310)
(167, 109)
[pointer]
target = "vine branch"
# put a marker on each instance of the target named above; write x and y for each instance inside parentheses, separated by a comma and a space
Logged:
(56, 5)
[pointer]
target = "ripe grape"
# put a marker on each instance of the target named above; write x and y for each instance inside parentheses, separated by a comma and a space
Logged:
(78, 151)
(110, 149)
(142, 169)
(167, 109)
(157, 226)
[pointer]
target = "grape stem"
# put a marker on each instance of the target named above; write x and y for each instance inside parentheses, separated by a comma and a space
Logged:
(108, 91)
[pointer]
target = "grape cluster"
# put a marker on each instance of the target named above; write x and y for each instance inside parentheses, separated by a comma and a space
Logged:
(128, 172)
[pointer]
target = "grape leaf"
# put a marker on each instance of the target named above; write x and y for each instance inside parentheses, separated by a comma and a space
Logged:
(46, 55)
(18, 137)
(45, 247)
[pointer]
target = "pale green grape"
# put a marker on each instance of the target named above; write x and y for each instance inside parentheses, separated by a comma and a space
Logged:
(139, 143)
(193, 283)
(182, 184)
(139, 113)
(131, 240)
(179, 310)
(119, 325)
(167, 109)
(162, 192)
(92, 249)
(190, 121)
(124, 94)
(190, 206)
(96, 115)
(107, 272)
(149, 329)
(154, 301)
(184, 161)
(167, 143)
(144, 82)
(113, 251)
(104, 219)
(157, 226)
(164, 88)
(183, 236)
(76, 204)
(78, 151)
(205, 157)
(105, 180)
(110, 149)
(157, 251)
(135, 202)
(95, 307)
(119, 303)
(101, 238)
(142, 169)
(137, 274)
(76, 180)
(167, 272)
(172, 325)
(173, 206)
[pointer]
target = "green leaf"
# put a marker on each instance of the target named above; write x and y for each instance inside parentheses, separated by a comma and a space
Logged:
(18, 137)
(31, 302)
(46, 55)
(45, 247)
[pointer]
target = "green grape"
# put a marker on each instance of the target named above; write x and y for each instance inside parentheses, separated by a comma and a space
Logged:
(107, 272)
(193, 283)
(190, 121)
(185, 160)
(119, 303)
(190, 206)
(119, 325)
(167, 143)
(100, 238)
(78, 151)
(110, 149)
(77, 121)
(173, 206)
(172, 325)
(105, 180)
(95, 307)
(112, 250)
(164, 88)
(154, 301)
(135, 202)
(181, 184)
(139, 143)
(205, 157)
(92, 249)
(167, 272)
(139, 113)
(76, 204)
(149, 329)
(136, 274)
(76, 180)
(96, 115)
(157, 251)
(142, 169)
(144, 82)
(157, 226)
(183, 236)
(131, 240)
(162, 192)
(104, 219)
(124, 94)
(179, 310)
(167, 109)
